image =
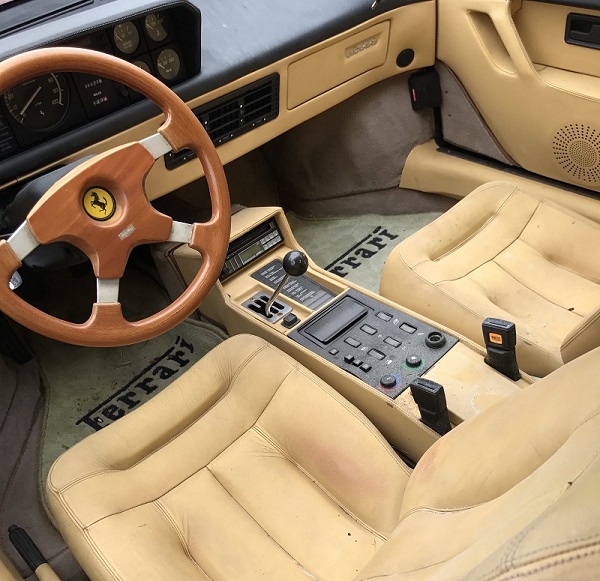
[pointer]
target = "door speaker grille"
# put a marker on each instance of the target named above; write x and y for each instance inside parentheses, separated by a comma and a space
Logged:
(577, 150)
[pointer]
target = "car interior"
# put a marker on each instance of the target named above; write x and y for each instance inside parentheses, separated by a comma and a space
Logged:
(299, 290)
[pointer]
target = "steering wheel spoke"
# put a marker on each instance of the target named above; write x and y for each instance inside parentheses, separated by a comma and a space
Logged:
(181, 232)
(23, 242)
(107, 290)
(156, 145)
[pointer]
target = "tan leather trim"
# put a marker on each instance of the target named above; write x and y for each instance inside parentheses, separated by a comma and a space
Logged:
(7, 569)
(428, 169)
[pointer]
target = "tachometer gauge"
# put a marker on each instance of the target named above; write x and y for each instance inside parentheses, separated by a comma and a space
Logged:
(168, 64)
(127, 37)
(142, 65)
(156, 27)
(39, 104)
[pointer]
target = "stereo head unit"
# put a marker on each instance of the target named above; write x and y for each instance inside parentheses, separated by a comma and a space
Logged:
(251, 246)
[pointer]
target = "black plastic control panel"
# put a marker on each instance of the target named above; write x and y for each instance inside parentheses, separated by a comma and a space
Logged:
(381, 346)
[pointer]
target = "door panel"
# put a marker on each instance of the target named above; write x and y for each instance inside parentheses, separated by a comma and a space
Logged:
(539, 95)
(542, 29)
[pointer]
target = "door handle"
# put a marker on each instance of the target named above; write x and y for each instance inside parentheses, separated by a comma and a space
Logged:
(583, 30)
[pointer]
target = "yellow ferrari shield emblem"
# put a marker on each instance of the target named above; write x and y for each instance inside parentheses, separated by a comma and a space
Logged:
(99, 204)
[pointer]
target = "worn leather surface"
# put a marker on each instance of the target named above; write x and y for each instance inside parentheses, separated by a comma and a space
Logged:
(250, 467)
(501, 252)
(231, 475)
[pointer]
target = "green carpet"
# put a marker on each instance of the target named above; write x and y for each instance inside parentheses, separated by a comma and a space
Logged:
(356, 248)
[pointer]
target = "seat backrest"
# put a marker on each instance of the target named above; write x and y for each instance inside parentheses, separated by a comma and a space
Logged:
(513, 492)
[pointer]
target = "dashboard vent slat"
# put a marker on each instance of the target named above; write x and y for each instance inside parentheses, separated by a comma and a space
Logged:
(235, 114)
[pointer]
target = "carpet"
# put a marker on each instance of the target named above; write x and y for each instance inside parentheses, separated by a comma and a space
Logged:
(356, 248)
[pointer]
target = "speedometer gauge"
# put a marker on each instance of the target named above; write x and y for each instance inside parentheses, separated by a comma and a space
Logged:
(39, 104)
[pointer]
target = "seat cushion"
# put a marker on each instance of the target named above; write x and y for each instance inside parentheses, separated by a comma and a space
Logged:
(246, 467)
(502, 253)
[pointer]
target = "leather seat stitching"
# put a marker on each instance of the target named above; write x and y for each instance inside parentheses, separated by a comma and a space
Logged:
(531, 289)
(88, 539)
(106, 471)
(184, 480)
(482, 227)
(186, 549)
(435, 286)
(560, 266)
(493, 258)
(558, 559)
(347, 510)
(589, 417)
(580, 331)
(258, 524)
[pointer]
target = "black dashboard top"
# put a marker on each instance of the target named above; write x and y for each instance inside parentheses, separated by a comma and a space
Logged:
(237, 37)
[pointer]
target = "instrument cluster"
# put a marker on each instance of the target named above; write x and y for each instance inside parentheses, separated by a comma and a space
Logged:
(42, 107)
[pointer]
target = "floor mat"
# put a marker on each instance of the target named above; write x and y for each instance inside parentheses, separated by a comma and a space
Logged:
(356, 248)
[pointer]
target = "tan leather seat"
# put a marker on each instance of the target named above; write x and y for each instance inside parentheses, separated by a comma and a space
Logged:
(503, 253)
(250, 467)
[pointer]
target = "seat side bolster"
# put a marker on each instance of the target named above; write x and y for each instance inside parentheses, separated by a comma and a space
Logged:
(584, 337)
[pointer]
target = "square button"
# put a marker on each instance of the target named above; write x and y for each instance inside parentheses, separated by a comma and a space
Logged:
(352, 342)
(377, 354)
(349, 358)
(408, 328)
(365, 367)
(334, 351)
(368, 329)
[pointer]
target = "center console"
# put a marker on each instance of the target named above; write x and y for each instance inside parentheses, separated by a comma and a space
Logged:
(363, 345)
(380, 345)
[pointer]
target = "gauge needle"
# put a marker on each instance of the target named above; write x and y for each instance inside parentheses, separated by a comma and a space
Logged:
(22, 111)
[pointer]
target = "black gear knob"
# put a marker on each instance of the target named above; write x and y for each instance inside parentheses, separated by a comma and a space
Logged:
(295, 263)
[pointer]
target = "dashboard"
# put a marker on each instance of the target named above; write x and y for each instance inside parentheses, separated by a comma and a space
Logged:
(214, 53)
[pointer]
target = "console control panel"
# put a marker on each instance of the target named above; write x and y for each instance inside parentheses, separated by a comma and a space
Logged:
(380, 345)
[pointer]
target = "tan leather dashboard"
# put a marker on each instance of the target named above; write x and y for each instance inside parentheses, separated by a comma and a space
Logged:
(311, 82)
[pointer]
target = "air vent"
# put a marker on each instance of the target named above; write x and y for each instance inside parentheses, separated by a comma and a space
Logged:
(234, 114)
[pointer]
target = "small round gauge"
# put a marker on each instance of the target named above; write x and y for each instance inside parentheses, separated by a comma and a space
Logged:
(168, 64)
(127, 37)
(142, 65)
(39, 104)
(156, 27)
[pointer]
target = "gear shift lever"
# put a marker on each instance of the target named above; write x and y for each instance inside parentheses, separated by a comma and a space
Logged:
(295, 263)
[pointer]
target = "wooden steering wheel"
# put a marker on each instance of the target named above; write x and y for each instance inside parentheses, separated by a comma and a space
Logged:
(101, 208)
